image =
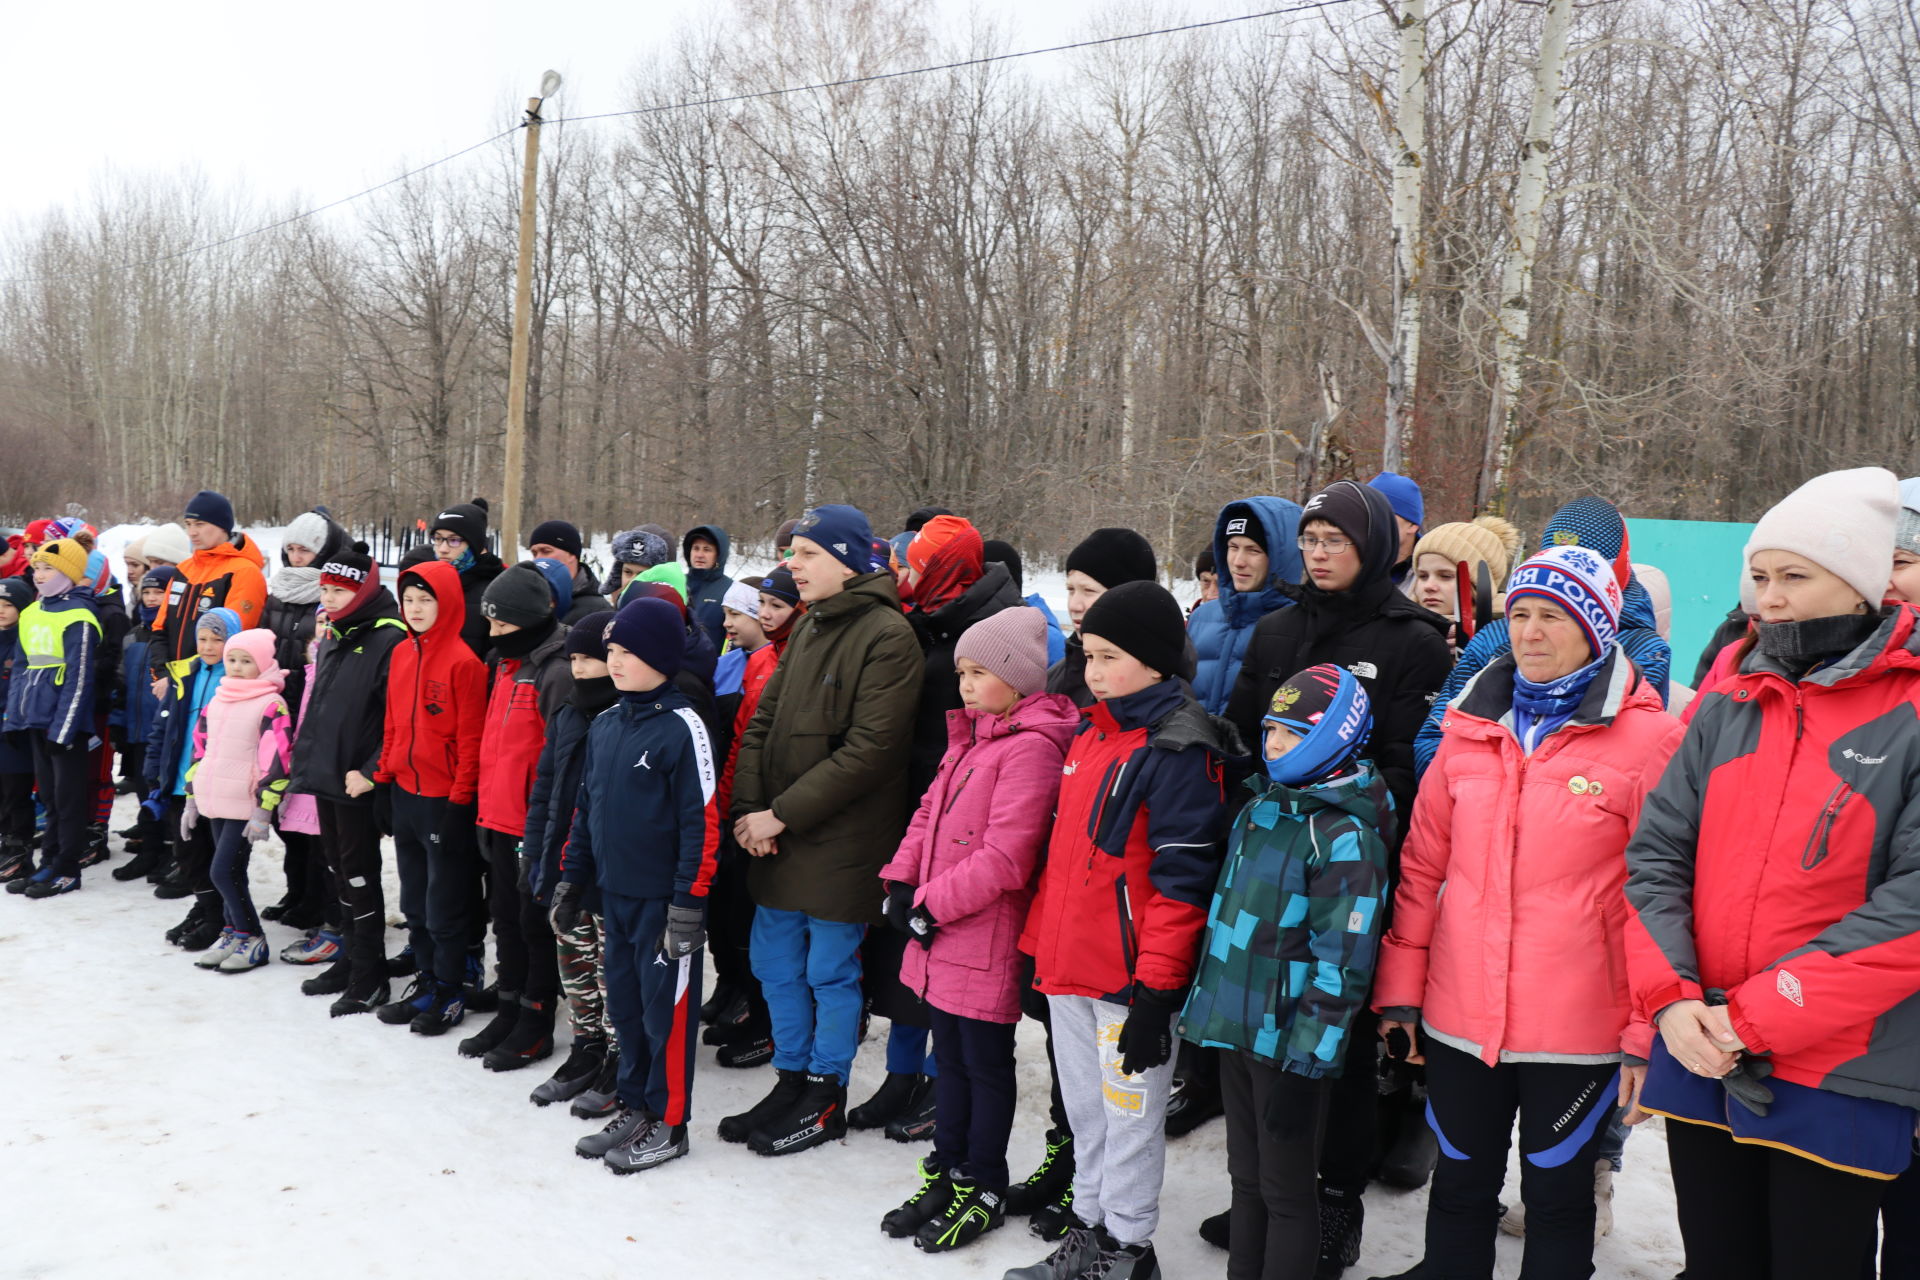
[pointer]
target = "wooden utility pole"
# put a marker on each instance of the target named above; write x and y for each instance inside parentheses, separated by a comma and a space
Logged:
(522, 320)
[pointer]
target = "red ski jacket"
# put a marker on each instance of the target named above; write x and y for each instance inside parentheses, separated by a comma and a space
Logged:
(1135, 850)
(1778, 860)
(436, 699)
(525, 692)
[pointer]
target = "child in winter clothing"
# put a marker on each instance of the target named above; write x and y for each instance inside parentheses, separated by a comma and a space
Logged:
(335, 757)
(53, 705)
(646, 830)
(958, 888)
(731, 916)
(1300, 895)
(16, 752)
(1133, 858)
(189, 691)
(591, 1070)
(136, 714)
(242, 747)
(430, 754)
(531, 682)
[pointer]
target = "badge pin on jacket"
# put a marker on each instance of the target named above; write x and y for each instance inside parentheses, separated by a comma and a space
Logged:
(1582, 786)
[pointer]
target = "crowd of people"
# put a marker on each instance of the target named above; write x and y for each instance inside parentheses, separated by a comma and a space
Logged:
(1403, 840)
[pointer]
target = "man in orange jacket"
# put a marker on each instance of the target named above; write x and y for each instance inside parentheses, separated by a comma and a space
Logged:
(224, 572)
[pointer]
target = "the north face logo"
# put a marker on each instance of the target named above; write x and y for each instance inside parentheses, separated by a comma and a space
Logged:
(1789, 986)
(1364, 670)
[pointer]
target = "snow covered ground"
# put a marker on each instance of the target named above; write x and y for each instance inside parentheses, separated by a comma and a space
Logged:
(175, 1122)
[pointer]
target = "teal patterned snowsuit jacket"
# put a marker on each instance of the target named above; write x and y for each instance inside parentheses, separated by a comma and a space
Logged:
(1294, 931)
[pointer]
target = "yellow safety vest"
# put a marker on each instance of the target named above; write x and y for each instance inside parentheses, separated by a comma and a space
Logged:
(43, 636)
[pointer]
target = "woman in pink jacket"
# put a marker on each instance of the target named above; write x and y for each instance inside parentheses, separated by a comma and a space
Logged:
(1506, 958)
(959, 888)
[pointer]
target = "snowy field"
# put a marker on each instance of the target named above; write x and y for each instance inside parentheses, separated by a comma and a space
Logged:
(164, 1121)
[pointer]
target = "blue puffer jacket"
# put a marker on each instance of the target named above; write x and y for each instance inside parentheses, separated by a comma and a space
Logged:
(1221, 628)
(54, 694)
(646, 823)
(139, 706)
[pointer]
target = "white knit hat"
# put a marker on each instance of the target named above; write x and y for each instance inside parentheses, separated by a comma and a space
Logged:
(309, 530)
(1843, 521)
(742, 598)
(169, 542)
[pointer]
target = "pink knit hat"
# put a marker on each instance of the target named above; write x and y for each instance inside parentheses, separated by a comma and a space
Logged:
(259, 644)
(1012, 644)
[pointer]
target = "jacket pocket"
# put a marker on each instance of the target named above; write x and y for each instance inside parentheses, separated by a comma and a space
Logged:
(1817, 841)
(1129, 940)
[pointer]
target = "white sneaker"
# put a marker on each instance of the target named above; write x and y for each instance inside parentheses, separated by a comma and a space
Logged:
(1602, 1198)
(249, 951)
(212, 957)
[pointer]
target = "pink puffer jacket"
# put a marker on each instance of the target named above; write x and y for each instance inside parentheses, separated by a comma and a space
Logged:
(972, 849)
(1509, 922)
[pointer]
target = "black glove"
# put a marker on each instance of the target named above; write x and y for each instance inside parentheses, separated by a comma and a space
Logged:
(456, 823)
(921, 926)
(383, 807)
(898, 907)
(1746, 1083)
(686, 931)
(524, 883)
(566, 907)
(1146, 1039)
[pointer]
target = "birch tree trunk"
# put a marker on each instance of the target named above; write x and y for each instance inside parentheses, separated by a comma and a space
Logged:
(1512, 317)
(1409, 250)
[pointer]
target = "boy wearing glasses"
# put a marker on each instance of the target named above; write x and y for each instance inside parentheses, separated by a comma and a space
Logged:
(459, 538)
(1349, 613)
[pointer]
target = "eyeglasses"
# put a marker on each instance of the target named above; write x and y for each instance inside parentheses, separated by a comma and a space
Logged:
(449, 543)
(1332, 546)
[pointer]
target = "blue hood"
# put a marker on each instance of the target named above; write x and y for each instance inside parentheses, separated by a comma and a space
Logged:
(713, 533)
(1279, 523)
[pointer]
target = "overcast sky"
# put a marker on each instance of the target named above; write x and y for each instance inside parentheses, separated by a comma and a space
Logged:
(323, 100)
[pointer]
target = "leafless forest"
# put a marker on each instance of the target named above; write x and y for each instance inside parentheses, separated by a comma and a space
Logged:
(1119, 285)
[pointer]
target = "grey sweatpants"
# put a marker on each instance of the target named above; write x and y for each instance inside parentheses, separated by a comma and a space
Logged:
(1119, 1121)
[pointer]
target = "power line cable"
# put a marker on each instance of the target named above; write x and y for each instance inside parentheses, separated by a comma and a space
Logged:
(785, 91)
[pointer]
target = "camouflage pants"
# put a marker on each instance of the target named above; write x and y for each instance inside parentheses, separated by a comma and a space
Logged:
(583, 978)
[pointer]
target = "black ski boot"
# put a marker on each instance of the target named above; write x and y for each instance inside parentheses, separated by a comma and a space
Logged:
(16, 862)
(786, 1091)
(603, 1095)
(403, 965)
(927, 1203)
(575, 1075)
(1217, 1230)
(98, 850)
(724, 994)
(416, 999)
(752, 1050)
(495, 1033)
(1117, 1261)
(897, 1095)
(1194, 1102)
(973, 1211)
(203, 934)
(1342, 1215)
(360, 999)
(820, 1115)
(330, 981)
(443, 1014)
(532, 1038)
(1054, 1219)
(1410, 1157)
(138, 866)
(915, 1124)
(1054, 1176)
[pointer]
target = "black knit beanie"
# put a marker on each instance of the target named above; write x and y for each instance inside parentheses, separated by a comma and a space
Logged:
(520, 596)
(1143, 619)
(1114, 556)
(466, 520)
(556, 533)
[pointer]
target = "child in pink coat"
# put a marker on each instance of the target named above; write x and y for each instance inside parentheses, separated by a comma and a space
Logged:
(959, 887)
(240, 747)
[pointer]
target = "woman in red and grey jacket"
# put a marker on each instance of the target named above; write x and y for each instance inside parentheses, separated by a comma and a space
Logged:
(430, 752)
(532, 679)
(1116, 921)
(1775, 891)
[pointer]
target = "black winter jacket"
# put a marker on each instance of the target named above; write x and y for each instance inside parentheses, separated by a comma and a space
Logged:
(1396, 648)
(473, 585)
(556, 785)
(348, 709)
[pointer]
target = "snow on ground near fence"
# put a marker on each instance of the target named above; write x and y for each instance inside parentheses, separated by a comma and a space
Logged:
(179, 1122)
